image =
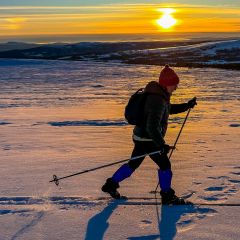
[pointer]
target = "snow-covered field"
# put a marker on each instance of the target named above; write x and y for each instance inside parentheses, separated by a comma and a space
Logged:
(207, 48)
(60, 117)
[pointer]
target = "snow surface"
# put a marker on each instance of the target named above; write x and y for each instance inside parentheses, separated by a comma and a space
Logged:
(60, 117)
(207, 48)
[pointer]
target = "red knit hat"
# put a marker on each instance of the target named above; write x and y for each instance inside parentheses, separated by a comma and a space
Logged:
(168, 77)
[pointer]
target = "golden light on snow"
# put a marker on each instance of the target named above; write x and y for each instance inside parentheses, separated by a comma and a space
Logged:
(167, 21)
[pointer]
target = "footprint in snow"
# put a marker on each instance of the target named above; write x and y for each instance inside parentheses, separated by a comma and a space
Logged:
(234, 125)
(191, 216)
(236, 173)
(145, 223)
(197, 183)
(234, 181)
(219, 177)
(213, 189)
(217, 197)
(237, 167)
(223, 191)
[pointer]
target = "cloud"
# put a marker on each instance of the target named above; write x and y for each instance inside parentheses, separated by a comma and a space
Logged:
(114, 18)
(12, 23)
(16, 20)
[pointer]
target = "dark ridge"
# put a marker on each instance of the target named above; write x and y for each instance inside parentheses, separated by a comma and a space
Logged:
(97, 123)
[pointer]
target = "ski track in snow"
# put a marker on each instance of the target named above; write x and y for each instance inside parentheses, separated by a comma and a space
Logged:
(221, 190)
(218, 191)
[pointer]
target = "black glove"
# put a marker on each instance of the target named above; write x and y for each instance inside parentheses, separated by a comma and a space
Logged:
(166, 148)
(191, 103)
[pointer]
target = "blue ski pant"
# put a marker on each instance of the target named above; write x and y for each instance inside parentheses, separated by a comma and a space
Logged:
(162, 160)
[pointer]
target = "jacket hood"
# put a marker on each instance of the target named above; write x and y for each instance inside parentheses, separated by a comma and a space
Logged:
(154, 87)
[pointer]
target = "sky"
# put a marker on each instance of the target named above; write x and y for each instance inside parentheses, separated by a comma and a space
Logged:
(61, 19)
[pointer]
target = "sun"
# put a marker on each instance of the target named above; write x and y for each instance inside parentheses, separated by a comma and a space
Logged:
(167, 20)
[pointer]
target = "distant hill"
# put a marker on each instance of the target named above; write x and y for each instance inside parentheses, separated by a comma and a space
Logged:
(16, 45)
(83, 49)
(222, 54)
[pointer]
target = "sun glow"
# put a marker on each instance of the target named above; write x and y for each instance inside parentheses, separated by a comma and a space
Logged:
(167, 20)
(117, 19)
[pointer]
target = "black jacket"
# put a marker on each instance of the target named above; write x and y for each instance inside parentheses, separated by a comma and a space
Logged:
(156, 112)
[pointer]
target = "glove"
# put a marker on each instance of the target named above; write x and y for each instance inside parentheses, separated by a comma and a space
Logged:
(191, 103)
(166, 148)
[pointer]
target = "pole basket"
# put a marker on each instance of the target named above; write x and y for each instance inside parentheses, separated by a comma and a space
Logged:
(55, 180)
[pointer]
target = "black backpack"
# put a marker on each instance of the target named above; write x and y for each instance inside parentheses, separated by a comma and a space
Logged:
(134, 110)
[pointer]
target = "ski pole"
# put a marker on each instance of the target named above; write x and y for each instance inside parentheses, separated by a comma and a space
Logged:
(174, 146)
(175, 143)
(56, 179)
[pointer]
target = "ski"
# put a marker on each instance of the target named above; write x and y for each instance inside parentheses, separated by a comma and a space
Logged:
(78, 200)
(190, 204)
(150, 201)
(157, 201)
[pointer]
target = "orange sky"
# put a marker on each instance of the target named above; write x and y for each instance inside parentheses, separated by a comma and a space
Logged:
(115, 19)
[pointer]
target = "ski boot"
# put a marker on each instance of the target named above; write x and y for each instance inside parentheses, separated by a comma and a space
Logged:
(169, 198)
(110, 187)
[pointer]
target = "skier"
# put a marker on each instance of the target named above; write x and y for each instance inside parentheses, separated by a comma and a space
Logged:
(149, 137)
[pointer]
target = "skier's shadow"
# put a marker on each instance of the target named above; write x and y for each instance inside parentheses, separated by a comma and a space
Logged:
(167, 224)
(98, 224)
(169, 219)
